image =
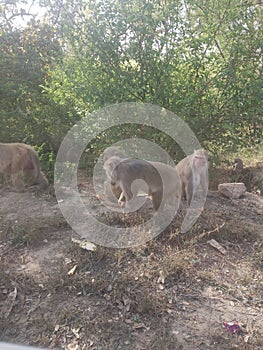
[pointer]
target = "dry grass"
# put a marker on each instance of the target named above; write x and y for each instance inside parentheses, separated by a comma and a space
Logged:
(170, 293)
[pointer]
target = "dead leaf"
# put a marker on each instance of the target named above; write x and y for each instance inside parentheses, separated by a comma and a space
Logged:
(217, 246)
(8, 304)
(84, 244)
(161, 277)
(140, 326)
(127, 303)
(72, 271)
(73, 345)
(246, 338)
(75, 331)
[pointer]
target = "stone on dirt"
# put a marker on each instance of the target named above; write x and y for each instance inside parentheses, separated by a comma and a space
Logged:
(232, 190)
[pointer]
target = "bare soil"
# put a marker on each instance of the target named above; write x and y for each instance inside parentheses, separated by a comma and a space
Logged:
(171, 293)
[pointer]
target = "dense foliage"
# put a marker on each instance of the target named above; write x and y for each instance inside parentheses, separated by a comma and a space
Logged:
(201, 59)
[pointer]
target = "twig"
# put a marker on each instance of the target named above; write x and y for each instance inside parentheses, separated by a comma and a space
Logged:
(209, 232)
(216, 229)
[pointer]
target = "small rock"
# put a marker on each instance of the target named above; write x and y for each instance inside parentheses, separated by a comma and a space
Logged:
(232, 190)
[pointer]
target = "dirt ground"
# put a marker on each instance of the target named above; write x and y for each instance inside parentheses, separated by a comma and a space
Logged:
(173, 292)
